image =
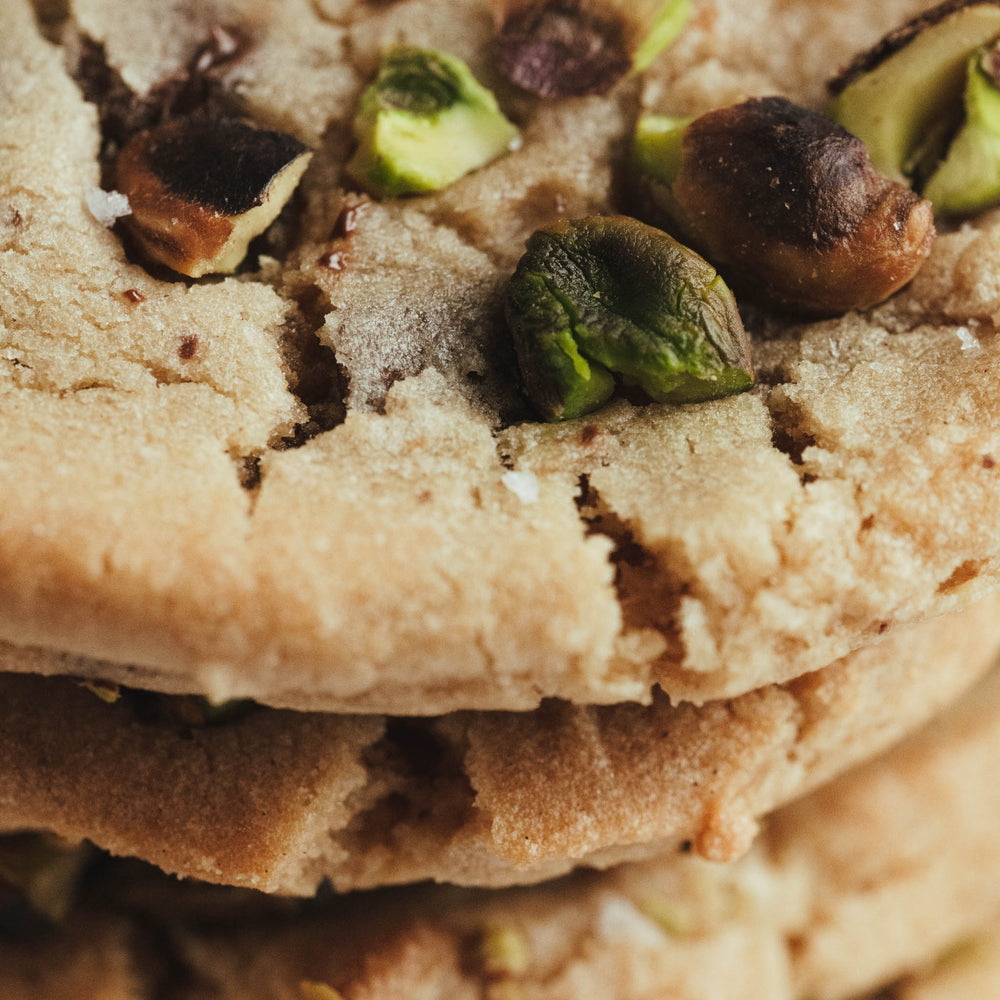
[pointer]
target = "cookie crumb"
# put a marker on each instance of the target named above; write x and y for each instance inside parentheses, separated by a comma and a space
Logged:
(524, 485)
(107, 206)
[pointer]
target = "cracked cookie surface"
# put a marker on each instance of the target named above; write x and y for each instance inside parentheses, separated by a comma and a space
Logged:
(379, 561)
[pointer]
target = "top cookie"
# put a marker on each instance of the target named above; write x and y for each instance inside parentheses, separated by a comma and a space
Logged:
(317, 483)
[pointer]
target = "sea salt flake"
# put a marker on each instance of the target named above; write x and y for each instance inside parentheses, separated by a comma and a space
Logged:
(524, 485)
(107, 206)
(968, 338)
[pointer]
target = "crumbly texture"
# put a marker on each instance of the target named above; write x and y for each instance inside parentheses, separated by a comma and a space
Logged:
(279, 800)
(840, 896)
(289, 485)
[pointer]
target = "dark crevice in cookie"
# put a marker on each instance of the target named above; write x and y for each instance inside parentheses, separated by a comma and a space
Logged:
(427, 790)
(52, 17)
(648, 593)
(315, 377)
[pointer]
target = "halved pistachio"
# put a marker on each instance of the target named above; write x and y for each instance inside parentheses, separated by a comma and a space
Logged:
(570, 48)
(968, 179)
(785, 203)
(424, 122)
(598, 297)
(201, 188)
(903, 97)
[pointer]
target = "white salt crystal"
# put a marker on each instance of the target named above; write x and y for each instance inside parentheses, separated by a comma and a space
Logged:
(968, 338)
(524, 485)
(107, 206)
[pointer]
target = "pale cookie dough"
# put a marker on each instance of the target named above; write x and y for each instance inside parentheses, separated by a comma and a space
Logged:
(295, 484)
(847, 891)
(279, 800)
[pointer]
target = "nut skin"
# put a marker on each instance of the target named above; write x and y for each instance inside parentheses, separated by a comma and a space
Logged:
(787, 205)
(903, 97)
(600, 297)
(573, 48)
(192, 182)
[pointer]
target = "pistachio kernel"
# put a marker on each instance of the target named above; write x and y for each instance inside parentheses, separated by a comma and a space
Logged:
(903, 97)
(785, 203)
(503, 951)
(201, 188)
(572, 48)
(968, 178)
(310, 989)
(598, 297)
(424, 122)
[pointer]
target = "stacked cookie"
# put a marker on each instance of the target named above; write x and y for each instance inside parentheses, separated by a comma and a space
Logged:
(302, 594)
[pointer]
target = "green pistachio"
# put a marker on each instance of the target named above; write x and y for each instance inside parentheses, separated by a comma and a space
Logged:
(784, 202)
(503, 951)
(968, 179)
(904, 99)
(565, 48)
(309, 989)
(596, 298)
(424, 122)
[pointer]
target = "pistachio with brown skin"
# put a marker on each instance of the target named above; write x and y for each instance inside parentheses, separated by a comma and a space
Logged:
(571, 48)
(924, 100)
(785, 203)
(201, 188)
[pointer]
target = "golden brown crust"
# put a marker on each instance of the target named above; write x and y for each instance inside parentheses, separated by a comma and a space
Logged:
(279, 800)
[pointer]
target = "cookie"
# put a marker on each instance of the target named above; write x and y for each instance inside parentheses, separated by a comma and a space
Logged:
(846, 891)
(318, 483)
(279, 800)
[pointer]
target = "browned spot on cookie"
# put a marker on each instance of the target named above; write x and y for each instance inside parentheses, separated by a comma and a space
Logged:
(963, 573)
(589, 435)
(188, 348)
(133, 295)
(989, 462)
(868, 523)
(425, 496)
(16, 219)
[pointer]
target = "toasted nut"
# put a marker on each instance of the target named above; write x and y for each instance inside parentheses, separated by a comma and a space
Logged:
(903, 97)
(598, 296)
(201, 188)
(785, 203)
(570, 48)
(423, 123)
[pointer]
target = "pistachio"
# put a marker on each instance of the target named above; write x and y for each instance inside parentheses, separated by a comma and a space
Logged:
(598, 297)
(310, 989)
(903, 97)
(44, 870)
(571, 48)
(201, 188)
(968, 179)
(424, 122)
(785, 203)
(503, 951)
